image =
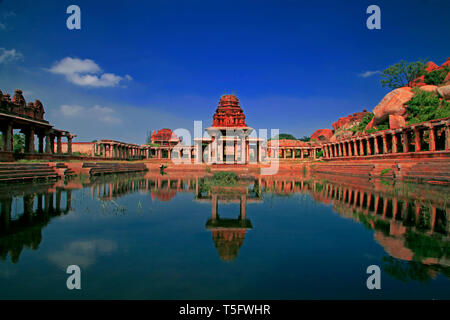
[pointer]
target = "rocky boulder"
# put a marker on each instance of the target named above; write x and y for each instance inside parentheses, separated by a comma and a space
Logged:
(322, 135)
(429, 88)
(396, 122)
(444, 92)
(447, 79)
(392, 104)
(350, 120)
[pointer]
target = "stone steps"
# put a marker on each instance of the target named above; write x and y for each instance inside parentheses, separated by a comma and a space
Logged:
(108, 168)
(21, 172)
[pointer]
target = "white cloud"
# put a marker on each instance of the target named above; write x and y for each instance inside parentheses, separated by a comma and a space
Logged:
(103, 114)
(368, 74)
(82, 253)
(9, 55)
(86, 73)
(71, 111)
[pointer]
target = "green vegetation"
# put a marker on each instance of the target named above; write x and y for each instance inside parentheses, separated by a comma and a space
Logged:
(425, 246)
(425, 106)
(402, 73)
(319, 153)
(304, 138)
(284, 136)
(19, 141)
(436, 77)
(384, 171)
(360, 127)
(223, 178)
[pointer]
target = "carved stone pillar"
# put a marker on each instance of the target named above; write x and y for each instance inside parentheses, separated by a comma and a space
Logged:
(417, 139)
(385, 145)
(375, 144)
(432, 139)
(405, 141)
(394, 143)
(29, 142)
(69, 145)
(58, 145)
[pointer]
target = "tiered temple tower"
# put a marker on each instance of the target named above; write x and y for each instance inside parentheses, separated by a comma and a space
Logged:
(229, 139)
(229, 113)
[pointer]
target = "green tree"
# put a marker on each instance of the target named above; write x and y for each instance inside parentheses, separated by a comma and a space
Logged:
(425, 106)
(402, 73)
(436, 77)
(304, 138)
(284, 136)
(148, 139)
(19, 142)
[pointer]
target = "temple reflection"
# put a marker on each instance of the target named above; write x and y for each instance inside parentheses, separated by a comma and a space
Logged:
(24, 230)
(228, 234)
(410, 221)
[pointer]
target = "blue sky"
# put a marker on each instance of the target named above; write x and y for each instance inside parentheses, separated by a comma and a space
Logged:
(142, 65)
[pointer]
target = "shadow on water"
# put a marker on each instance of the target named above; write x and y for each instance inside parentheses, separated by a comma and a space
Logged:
(411, 222)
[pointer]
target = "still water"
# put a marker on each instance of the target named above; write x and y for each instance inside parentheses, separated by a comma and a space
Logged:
(151, 236)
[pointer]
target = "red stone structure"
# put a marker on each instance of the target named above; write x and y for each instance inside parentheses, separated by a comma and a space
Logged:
(165, 137)
(29, 118)
(350, 119)
(229, 113)
(229, 140)
(292, 149)
(431, 136)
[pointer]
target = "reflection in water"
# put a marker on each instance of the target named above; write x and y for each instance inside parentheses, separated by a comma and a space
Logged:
(411, 222)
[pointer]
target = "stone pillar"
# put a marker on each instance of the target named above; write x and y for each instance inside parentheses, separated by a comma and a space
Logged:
(7, 138)
(69, 145)
(447, 136)
(29, 141)
(375, 144)
(417, 139)
(394, 143)
(355, 148)
(405, 141)
(369, 149)
(361, 147)
(58, 145)
(52, 144)
(260, 151)
(47, 144)
(385, 145)
(243, 151)
(432, 139)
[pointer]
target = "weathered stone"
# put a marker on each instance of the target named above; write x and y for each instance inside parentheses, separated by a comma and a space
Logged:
(322, 135)
(350, 120)
(396, 122)
(447, 79)
(229, 113)
(392, 103)
(445, 64)
(429, 88)
(444, 92)
(420, 81)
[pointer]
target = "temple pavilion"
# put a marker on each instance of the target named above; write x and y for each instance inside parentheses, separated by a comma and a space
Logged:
(228, 140)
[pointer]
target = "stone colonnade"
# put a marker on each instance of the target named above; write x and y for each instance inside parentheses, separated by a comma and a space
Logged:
(119, 150)
(44, 133)
(426, 136)
(303, 152)
(228, 150)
